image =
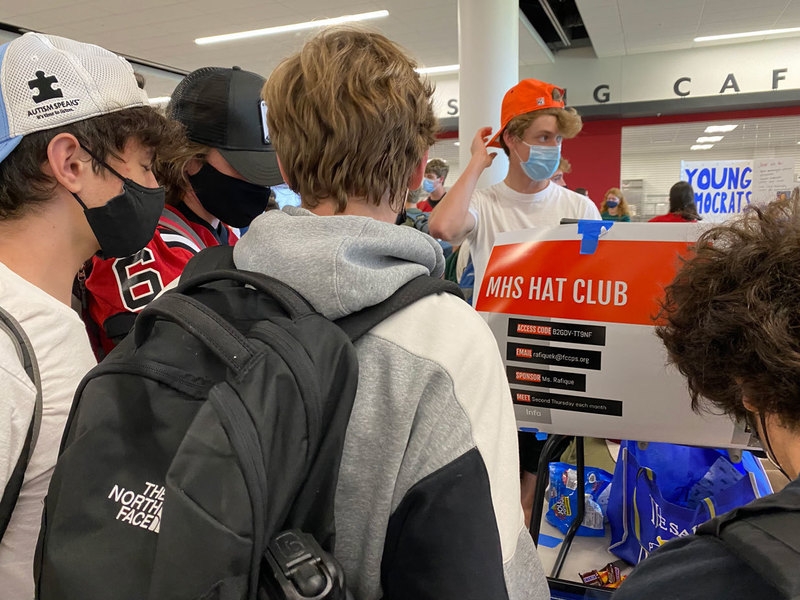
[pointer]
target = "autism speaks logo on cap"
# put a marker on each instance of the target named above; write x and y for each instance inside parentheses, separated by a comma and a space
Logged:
(43, 91)
(44, 87)
(67, 81)
(527, 96)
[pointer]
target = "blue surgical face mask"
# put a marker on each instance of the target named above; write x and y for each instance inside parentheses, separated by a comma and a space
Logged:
(542, 161)
(428, 185)
(612, 202)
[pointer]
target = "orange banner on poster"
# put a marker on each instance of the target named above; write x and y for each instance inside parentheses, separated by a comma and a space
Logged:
(621, 282)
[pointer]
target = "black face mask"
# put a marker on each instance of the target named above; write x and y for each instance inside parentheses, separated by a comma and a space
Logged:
(126, 223)
(233, 201)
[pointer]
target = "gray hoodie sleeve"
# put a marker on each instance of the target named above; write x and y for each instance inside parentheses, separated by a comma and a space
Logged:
(431, 466)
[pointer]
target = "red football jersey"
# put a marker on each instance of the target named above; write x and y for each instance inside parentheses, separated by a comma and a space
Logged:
(118, 288)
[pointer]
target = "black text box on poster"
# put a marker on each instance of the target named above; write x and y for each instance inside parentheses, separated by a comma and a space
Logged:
(550, 355)
(548, 379)
(582, 404)
(594, 335)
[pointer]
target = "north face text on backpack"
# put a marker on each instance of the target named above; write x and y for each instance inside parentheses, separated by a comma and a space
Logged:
(139, 509)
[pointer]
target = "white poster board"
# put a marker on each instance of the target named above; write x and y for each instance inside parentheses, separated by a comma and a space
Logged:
(774, 177)
(722, 188)
(575, 328)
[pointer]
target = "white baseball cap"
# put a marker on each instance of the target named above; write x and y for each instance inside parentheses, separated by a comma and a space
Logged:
(48, 81)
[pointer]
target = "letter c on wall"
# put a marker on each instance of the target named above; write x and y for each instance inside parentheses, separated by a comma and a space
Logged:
(677, 87)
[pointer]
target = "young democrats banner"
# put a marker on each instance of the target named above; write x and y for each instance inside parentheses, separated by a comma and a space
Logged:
(572, 308)
(722, 188)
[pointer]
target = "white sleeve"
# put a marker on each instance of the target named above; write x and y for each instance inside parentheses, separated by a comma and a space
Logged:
(473, 210)
(16, 408)
(590, 211)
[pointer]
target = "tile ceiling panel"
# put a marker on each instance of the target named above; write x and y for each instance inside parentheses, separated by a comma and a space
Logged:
(164, 31)
(620, 27)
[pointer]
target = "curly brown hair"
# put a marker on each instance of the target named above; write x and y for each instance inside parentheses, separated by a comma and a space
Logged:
(733, 315)
(23, 184)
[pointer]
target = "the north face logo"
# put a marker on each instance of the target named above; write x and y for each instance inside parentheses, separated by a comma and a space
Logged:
(44, 87)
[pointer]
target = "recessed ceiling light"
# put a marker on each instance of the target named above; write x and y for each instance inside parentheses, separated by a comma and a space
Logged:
(442, 69)
(242, 35)
(745, 34)
(159, 100)
(710, 138)
(721, 128)
(702, 147)
(459, 143)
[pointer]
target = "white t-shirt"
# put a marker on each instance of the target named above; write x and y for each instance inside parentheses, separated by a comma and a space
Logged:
(499, 208)
(64, 356)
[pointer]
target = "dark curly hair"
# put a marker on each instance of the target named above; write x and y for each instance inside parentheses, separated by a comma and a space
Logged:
(24, 186)
(733, 315)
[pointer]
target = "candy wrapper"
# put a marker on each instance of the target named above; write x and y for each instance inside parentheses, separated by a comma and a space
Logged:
(608, 577)
(562, 499)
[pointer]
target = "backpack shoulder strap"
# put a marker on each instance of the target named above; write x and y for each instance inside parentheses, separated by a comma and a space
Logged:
(212, 258)
(357, 324)
(24, 348)
(174, 222)
(765, 534)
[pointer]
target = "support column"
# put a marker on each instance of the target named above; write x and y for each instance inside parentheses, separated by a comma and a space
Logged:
(488, 52)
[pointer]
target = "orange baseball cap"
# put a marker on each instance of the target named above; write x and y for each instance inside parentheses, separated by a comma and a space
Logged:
(527, 96)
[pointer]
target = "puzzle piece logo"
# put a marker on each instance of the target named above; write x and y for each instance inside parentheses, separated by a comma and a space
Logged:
(44, 87)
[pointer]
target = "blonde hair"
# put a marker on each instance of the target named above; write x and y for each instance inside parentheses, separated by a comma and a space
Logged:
(349, 116)
(568, 121)
(622, 209)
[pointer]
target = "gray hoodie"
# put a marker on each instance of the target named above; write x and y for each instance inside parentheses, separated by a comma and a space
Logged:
(427, 502)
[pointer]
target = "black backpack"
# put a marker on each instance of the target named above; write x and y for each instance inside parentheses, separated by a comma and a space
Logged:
(9, 326)
(201, 447)
(765, 534)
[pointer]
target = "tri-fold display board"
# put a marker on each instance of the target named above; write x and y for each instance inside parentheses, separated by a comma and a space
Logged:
(573, 310)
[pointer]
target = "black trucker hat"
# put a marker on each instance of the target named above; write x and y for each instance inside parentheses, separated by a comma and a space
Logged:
(222, 108)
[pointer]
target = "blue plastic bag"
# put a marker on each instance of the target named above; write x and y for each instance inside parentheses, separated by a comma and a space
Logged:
(562, 499)
(467, 281)
(665, 491)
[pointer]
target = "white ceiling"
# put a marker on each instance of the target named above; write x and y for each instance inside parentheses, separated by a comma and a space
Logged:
(620, 27)
(163, 31)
